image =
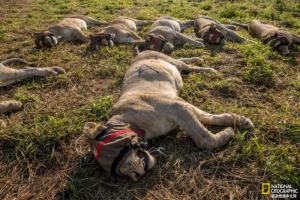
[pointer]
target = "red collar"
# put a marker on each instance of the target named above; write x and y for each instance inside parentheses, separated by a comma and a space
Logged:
(155, 41)
(213, 36)
(42, 33)
(279, 36)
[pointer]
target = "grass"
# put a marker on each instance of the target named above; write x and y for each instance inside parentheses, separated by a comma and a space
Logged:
(38, 158)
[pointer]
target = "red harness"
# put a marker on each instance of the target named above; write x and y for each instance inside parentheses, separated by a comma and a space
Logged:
(42, 33)
(114, 135)
(155, 41)
(213, 36)
(101, 34)
(279, 36)
(94, 36)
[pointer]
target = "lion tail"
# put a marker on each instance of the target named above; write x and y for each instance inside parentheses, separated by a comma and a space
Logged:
(245, 26)
(15, 60)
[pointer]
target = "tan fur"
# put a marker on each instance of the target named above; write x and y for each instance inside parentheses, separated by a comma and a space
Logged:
(71, 28)
(124, 29)
(261, 30)
(203, 23)
(170, 29)
(10, 76)
(150, 101)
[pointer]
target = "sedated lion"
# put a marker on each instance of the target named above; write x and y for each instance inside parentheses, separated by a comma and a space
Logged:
(123, 29)
(213, 32)
(165, 33)
(68, 29)
(277, 38)
(150, 106)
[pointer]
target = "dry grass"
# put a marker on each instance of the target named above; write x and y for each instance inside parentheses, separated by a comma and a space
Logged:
(37, 154)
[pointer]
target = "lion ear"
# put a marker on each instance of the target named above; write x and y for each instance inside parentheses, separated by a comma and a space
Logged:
(91, 129)
(212, 27)
(148, 37)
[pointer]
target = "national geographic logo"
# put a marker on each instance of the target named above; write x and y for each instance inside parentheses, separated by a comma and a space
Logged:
(266, 188)
(279, 190)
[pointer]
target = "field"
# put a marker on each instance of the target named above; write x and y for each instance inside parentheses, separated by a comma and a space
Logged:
(37, 149)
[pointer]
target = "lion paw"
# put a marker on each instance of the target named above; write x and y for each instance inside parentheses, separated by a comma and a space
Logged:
(50, 71)
(59, 70)
(196, 59)
(2, 124)
(251, 41)
(8, 106)
(245, 123)
(211, 70)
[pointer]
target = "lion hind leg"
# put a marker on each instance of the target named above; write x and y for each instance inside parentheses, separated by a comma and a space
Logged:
(78, 34)
(186, 24)
(10, 76)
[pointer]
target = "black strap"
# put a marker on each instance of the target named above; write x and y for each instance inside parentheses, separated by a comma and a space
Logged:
(117, 160)
(123, 152)
(268, 39)
(101, 134)
(42, 35)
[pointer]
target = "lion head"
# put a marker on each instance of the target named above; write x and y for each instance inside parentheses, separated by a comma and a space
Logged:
(158, 43)
(119, 149)
(102, 39)
(212, 35)
(46, 39)
(278, 42)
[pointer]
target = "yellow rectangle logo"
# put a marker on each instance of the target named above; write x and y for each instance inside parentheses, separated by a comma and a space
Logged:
(265, 188)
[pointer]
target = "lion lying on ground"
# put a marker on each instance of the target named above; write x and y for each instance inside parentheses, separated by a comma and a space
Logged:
(279, 40)
(165, 33)
(10, 76)
(123, 29)
(150, 106)
(213, 32)
(68, 29)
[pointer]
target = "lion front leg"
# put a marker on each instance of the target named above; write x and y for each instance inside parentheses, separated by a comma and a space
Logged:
(78, 34)
(182, 39)
(187, 119)
(8, 106)
(10, 76)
